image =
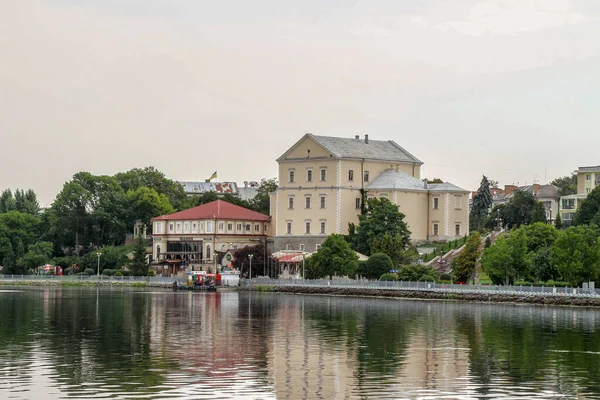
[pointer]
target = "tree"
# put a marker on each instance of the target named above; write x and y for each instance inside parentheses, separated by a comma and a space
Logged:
(262, 201)
(37, 255)
(139, 264)
(151, 178)
(145, 203)
(377, 265)
(334, 258)
(482, 203)
(589, 209)
(435, 180)
(382, 217)
(523, 208)
(576, 254)
(7, 201)
(241, 259)
(497, 262)
(463, 266)
(414, 273)
(558, 224)
(542, 269)
(18, 231)
(22, 201)
(566, 185)
(392, 246)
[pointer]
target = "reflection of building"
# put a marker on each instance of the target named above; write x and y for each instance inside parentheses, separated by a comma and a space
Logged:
(195, 236)
(320, 184)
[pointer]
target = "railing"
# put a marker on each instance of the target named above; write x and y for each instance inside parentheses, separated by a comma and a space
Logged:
(156, 279)
(429, 286)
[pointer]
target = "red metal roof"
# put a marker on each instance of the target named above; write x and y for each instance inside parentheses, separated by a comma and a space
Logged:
(218, 209)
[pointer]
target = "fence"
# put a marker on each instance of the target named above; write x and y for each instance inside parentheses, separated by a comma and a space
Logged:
(156, 279)
(586, 291)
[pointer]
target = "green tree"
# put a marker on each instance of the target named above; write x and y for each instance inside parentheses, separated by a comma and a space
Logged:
(523, 208)
(334, 258)
(463, 266)
(435, 180)
(542, 269)
(262, 201)
(18, 231)
(589, 210)
(539, 235)
(392, 246)
(37, 255)
(382, 217)
(558, 224)
(414, 273)
(151, 178)
(482, 203)
(576, 254)
(145, 203)
(139, 264)
(520, 256)
(259, 259)
(7, 202)
(377, 265)
(566, 185)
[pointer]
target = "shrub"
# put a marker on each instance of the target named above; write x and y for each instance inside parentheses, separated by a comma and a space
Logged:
(488, 242)
(414, 272)
(108, 272)
(446, 277)
(151, 272)
(427, 278)
(388, 277)
(118, 273)
(124, 272)
(362, 268)
(378, 264)
(89, 271)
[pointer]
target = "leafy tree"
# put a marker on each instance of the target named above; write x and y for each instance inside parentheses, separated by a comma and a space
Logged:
(334, 258)
(392, 246)
(435, 180)
(145, 203)
(37, 255)
(139, 264)
(377, 265)
(17, 232)
(151, 178)
(566, 185)
(262, 201)
(558, 224)
(523, 208)
(589, 209)
(521, 259)
(463, 266)
(539, 235)
(482, 203)
(576, 254)
(7, 202)
(382, 217)
(414, 273)
(241, 259)
(21, 201)
(542, 269)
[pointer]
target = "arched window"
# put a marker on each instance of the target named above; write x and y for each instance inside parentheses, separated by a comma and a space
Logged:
(158, 251)
(207, 252)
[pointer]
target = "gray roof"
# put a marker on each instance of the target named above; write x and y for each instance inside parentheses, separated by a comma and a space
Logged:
(380, 150)
(547, 192)
(203, 187)
(392, 179)
(445, 187)
(589, 169)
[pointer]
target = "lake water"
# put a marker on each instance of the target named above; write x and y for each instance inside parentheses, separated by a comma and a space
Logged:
(124, 343)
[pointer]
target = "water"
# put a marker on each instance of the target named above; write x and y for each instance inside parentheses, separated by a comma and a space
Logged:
(123, 343)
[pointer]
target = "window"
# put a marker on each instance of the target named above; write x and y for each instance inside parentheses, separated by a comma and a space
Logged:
(171, 227)
(239, 227)
(587, 190)
(208, 254)
(288, 228)
(248, 228)
(201, 227)
(291, 203)
(357, 205)
(301, 247)
(229, 227)
(221, 226)
(307, 200)
(457, 229)
(292, 175)
(323, 174)
(317, 247)
(322, 201)
(322, 226)
(436, 203)
(158, 228)
(307, 225)
(458, 202)
(194, 227)
(186, 227)
(309, 175)
(209, 227)
(256, 228)
(366, 176)
(350, 175)
(178, 227)
(436, 229)
(588, 177)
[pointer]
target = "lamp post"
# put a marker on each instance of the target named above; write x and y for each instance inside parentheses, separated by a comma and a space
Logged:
(250, 257)
(98, 254)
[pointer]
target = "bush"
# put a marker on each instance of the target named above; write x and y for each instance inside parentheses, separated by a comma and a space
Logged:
(446, 277)
(151, 273)
(427, 278)
(82, 273)
(118, 273)
(89, 271)
(108, 272)
(377, 265)
(488, 242)
(362, 268)
(414, 272)
(124, 272)
(388, 277)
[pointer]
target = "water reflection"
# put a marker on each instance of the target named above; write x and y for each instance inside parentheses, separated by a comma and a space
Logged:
(123, 343)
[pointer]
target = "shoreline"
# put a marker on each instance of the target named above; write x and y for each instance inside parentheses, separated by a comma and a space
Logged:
(491, 298)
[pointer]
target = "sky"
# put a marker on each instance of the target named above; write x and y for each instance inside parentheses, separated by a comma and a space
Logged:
(509, 89)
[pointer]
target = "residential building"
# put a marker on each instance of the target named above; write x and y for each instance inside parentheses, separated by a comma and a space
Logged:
(548, 195)
(193, 238)
(320, 183)
(587, 179)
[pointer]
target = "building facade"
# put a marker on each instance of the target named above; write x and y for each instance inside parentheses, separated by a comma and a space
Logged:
(587, 179)
(320, 184)
(192, 239)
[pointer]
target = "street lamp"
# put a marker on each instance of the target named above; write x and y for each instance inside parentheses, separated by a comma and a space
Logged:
(98, 254)
(250, 257)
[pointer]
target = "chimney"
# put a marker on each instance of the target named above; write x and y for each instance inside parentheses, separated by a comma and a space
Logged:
(357, 137)
(508, 189)
(536, 188)
(366, 139)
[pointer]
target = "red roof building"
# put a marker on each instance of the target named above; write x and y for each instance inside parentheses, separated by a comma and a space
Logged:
(191, 239)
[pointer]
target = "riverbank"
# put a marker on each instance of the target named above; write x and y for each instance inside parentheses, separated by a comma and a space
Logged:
(524, 298)
(83, 283)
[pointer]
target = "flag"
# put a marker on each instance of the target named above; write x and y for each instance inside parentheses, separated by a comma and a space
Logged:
(213, 176)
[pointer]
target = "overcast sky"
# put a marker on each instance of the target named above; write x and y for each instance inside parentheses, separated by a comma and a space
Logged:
(505, 88)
